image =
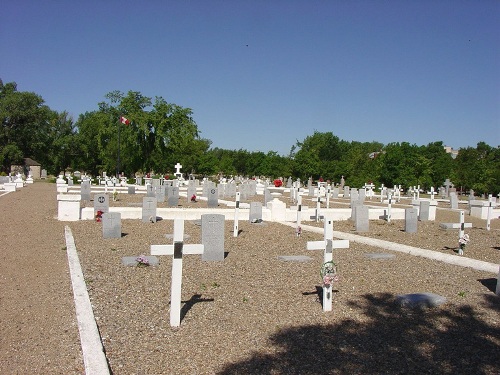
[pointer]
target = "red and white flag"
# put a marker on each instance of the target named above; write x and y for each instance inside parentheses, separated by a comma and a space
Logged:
(125, 121)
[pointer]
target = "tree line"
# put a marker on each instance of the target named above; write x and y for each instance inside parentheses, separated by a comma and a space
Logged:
(159, 134)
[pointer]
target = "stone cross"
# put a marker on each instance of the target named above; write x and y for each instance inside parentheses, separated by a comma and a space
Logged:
(177, 249)
(236, 211)
(432, 193)
(328, 244)
(178, 167)
(447, 185)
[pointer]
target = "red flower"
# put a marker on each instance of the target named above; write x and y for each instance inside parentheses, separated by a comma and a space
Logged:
(278, 183)
(98, 216)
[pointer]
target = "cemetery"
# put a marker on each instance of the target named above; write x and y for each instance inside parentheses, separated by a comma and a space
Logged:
(182, 287)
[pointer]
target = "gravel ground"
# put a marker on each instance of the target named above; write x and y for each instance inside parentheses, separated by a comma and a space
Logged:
(38, 330)
(255, 314)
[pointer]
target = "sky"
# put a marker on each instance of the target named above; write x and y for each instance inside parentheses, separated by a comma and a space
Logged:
(263, 75)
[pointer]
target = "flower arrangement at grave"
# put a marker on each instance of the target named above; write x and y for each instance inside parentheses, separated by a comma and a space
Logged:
(329, 274)
(98, 216)
(462, 241)
(115, 196)
(278, 183)
(298, 231)
(193, 198)
(142, 261)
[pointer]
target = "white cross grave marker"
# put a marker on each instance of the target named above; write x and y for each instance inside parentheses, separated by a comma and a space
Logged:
(488, 219)
(236, 211)
(299, 208)
(389, 204)
(178, 167)
(328, 244)
(317, 216)
(177, 249)
(461, 225)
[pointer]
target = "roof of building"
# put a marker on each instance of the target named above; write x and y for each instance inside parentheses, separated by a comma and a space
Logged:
(31, 163)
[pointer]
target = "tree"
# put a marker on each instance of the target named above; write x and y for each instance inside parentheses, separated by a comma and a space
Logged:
(24, 123)
(10, 155)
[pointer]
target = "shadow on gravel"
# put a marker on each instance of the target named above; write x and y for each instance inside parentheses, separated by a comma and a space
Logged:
(490, 283)
(392, 340)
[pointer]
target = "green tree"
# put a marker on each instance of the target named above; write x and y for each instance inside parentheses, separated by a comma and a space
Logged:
(24, 123)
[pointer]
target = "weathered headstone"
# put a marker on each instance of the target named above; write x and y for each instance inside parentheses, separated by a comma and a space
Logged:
(424, 211)
(112, 225)
(453, 201)
(160, 194)
(85, 190)
(149, 209)
(335, 193)
(213, 200)
(354, 205)
(101, 203)
(191, 190)
(267, 196)
(411, 220)
(155, 182)
(212, 237)
(362, 222)
(255, 215)
(172, 196)
(131, 189)
(347, 192)
(150, 192)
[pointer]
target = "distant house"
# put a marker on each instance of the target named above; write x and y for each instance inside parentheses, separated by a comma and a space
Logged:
(451, 151)
(30, 167)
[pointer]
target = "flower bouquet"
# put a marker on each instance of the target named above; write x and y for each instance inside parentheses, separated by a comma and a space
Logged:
(98, 216)
(462, 241)
(329, 274)
(142, 261)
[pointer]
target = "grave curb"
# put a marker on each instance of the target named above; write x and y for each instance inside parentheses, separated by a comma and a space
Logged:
(436, 255)
(94, 359)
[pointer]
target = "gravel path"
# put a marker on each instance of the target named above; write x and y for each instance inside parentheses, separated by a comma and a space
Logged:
(38, 331)
(251, 313)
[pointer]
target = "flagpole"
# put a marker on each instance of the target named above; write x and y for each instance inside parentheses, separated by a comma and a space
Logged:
(118, 161)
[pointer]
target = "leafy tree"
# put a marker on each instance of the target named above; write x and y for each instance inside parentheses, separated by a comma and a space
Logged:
(440, 163)
(477, 169)
(10, 155)
(24, 123)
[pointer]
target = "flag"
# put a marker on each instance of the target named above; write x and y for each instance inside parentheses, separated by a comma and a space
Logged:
(125, 121)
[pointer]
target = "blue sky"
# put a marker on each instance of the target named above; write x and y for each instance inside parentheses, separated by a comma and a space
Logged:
(260, 75)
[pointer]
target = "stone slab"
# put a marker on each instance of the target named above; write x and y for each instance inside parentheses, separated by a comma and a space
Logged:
(131, 261)
(380, 256)
(294, 258)
(420, 300)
